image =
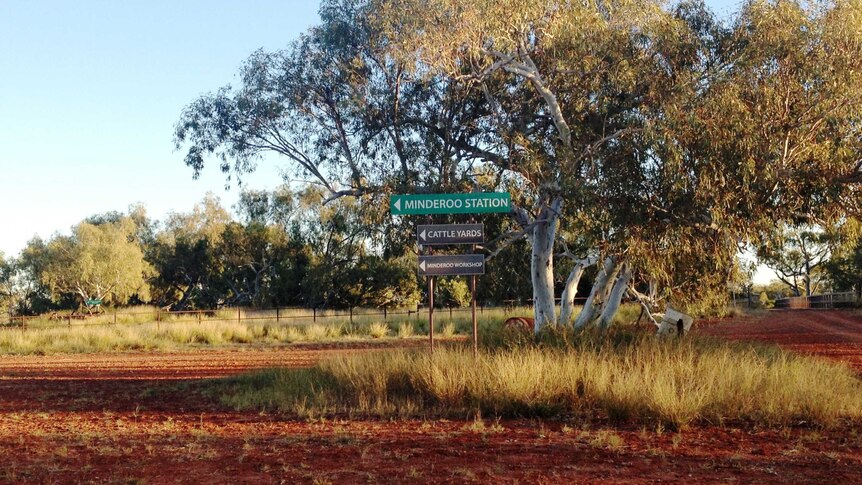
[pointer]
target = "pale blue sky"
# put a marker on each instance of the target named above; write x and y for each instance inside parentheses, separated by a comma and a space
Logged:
(90, 92)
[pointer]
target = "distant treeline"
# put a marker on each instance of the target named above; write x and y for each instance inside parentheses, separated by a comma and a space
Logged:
(278, 249)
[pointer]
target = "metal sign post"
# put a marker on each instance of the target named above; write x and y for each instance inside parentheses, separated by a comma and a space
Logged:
(473, 313)
(431, 312)
(475, 322)
(430, 251)
(429, 235)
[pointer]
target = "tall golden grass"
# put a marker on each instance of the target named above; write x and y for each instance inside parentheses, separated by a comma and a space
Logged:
(148, 328)
(172, 336)
(625, 377)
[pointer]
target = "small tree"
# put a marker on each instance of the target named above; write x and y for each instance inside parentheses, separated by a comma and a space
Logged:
(184, 253)
(765, 302)
(6, 291)
(797, 255)
(97, 261)
(452, 292)
(845, 267)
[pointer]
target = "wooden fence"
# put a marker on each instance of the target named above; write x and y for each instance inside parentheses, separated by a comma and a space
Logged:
(829, 300)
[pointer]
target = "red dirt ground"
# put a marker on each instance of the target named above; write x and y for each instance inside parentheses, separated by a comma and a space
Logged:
(142, 418)
(833, 334)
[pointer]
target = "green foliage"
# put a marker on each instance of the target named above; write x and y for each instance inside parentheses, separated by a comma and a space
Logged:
(102, 261)
(797, 255)
(845, 266)
(248, 254)
(206, 260)
(846, 271)
(6, 290)
(452, 292)
(670, 135)
(184, 270)
(764, 300)
(509, 271)
(35, 296)
(343, 272)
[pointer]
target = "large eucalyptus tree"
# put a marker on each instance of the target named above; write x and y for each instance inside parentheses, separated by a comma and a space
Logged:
(670, 138)
(652, 139)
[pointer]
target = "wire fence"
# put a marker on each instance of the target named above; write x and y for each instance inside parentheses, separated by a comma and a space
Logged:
(285, 316)
(829, 300)
(281, 316)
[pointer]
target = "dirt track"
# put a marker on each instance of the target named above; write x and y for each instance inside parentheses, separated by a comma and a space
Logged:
(832, 334)
(145, 418)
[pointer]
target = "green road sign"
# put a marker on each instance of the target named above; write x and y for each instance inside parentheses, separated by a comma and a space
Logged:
(94, 302)
(473, 203)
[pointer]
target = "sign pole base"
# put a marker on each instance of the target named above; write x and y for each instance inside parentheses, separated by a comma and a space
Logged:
(475, 322)
(431, 312)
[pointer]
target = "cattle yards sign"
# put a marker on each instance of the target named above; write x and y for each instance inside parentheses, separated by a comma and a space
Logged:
(452, 265)
(442, 234)
(472, 203)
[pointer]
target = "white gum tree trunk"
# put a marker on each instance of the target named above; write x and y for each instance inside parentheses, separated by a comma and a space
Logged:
(612, 303)
(567, 300)
(542, 264)
(603, 279)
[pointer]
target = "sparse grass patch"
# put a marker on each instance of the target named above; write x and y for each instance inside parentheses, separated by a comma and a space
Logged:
(405, 330)
(315, 333)
(608, 440)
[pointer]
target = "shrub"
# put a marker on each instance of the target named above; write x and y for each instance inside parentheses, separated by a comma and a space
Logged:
(405, 330)
(315, 332)
(378, 330)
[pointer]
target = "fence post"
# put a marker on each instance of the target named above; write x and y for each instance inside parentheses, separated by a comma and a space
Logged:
(238, 314)
(200, 316)
(450, 312)
(115, 316)
(158, 319)
(23, 324)
(351, 316)
(314, 314)
(277, 315)
(385, 316)
(69, 316)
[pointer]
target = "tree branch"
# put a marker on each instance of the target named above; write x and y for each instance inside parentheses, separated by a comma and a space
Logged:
(644, 300)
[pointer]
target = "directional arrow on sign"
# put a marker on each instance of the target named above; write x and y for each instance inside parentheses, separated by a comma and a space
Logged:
(422, 266)
(397, 204)
(422, 235)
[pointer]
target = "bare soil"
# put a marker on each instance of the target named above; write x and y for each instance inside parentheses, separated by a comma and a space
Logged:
(145, 418)
(834, 334)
